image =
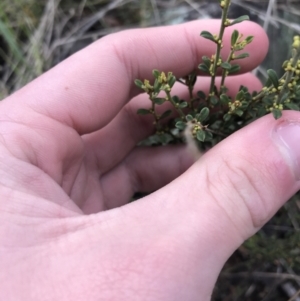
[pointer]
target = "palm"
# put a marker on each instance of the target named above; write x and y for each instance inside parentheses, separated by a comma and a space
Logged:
(91, 172)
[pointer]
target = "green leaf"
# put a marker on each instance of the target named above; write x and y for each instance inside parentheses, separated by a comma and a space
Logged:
(176, 99)
(254, 93)
(273, 77)
(156, 73)
(227, 117)
(261, 112)
(284, 97)
(166, 114)
(183, 104)
(292, 106)
(193, 79)
(238, 112)
(277, 113)
(203, 114)
(206, 61)
(190, 79)
(268, 100)
(189, 117)
(216, 125)
(234, 37)
(172, 81)
(139, 83)
(143, 112)
(159, 100)
(297, 91)
(201, 135)
(226, 66)
(253, 113)
(234, 69)
(180, 125)
(208, 136)
(165, 138)
(245, 89)
(214, 100)
(241, 56)
(249, 39)
(224, 99)
(223, 90)
(239, 20)
(239, 46)
(244, 105)
(156, 87)
(240, 95)
(201, 95)
(268, 83)
(285, 63)
(207, 35)
(204, 68)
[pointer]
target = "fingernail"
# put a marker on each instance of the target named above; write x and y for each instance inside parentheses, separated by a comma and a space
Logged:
(287, 136)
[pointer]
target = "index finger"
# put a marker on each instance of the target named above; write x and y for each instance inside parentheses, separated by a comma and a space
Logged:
(88, 89)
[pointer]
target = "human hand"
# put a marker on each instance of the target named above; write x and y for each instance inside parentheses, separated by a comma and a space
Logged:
(68, 154)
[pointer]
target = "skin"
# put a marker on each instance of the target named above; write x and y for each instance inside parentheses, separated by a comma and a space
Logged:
(69, 165)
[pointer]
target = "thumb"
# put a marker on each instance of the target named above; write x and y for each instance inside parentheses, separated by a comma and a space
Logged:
(230, 193)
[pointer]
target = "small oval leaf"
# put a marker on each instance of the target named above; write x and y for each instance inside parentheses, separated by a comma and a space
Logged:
(180, 125)
(204, 68)
(156, 73)
(139, 83)
(206, 61)
(249, 39)
(241, 56)
(239, 20)
(227, 117)
(203, 114)
(189, 117)
(207, 35)
(292, 106)
(234, 69)
(208, 136)
(183, 104)
(226, 66)
(277, 113)
(238, 112)
(201, 135)
(159, 100)
(273, 77)
(214, 100)
(143, 112)
(201, 95)
(172, 81)
(166, 114)
(224, 99)
(234, 37)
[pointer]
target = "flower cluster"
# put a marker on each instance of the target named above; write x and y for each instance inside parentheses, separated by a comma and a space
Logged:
(215, 115)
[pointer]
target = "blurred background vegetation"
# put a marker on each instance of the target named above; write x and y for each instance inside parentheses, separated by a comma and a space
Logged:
(36, 35)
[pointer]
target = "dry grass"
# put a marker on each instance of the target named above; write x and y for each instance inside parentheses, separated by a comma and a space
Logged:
(43, 33)
(36, 35)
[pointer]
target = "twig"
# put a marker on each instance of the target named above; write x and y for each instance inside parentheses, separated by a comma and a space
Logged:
(261, 275)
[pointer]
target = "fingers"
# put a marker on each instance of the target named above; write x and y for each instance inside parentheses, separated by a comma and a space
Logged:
(144, 170)
(129, 128)
(87, 90)
(226, 196)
